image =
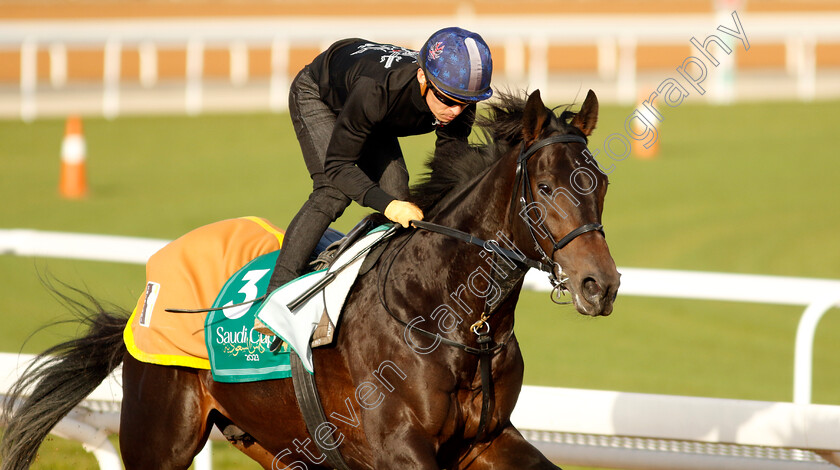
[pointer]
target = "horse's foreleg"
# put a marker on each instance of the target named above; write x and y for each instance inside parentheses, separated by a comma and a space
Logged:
(507, 450)
(257, 453)
(163, 422)
(245, 443)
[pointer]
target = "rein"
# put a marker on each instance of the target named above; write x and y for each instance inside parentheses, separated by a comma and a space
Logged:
(469, 238)
(486, 349)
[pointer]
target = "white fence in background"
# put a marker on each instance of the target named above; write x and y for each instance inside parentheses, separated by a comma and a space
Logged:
(578, 427)
(526, 40)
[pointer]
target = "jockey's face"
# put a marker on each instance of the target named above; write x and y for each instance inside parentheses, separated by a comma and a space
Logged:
(444, 108)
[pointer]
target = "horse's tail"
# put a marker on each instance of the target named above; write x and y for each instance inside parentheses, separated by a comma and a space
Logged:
(59, 378)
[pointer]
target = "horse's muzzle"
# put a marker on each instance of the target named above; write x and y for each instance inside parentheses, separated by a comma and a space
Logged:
(595, 293)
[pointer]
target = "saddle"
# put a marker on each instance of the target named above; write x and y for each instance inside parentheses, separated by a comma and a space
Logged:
(331, 245)
(324, 257)
(315, 300)
(323, 334)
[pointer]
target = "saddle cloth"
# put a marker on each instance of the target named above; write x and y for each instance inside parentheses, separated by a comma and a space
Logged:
(238, 352)
(188, 273)
(297, 327)
(210, 266)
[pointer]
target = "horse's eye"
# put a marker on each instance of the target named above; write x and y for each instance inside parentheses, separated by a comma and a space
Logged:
(544, 188)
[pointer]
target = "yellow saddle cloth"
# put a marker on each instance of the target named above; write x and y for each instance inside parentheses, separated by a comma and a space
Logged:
(188, 273)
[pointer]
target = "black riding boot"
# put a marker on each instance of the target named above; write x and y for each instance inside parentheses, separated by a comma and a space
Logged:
(300, 240)
(324, 205)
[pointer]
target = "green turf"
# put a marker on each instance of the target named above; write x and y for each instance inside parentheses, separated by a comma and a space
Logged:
(746, 189)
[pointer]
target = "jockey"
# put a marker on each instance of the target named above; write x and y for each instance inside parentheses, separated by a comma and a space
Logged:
(349, 106)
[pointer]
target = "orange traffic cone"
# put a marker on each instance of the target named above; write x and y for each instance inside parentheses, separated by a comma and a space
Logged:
(73, 181)
(638, 146)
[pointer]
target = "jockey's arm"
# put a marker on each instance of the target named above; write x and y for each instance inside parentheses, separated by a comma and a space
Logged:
(364, 108)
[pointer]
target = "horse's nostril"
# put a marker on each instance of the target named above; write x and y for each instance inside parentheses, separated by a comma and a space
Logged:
(591, 288)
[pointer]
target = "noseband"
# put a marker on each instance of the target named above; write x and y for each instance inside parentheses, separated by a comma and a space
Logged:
(526, 196)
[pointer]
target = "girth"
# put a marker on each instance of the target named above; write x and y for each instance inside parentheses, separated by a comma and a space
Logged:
(309, 401)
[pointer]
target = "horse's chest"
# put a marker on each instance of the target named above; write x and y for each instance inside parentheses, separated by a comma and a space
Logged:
(503, 386)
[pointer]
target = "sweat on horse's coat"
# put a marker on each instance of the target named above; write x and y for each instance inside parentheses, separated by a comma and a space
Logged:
(189, 273)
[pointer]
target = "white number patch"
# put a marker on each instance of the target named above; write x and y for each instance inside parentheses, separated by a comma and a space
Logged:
(249, 289)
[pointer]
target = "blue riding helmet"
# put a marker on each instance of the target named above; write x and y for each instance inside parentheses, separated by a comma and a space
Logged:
(458, 63)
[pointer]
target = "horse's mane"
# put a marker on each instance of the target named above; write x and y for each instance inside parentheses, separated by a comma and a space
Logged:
(456, 164)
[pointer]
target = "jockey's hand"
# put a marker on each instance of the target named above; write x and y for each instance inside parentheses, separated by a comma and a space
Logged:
(402, 212)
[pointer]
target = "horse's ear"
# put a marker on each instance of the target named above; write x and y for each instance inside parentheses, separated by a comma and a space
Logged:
(534, 118)
(587, 117)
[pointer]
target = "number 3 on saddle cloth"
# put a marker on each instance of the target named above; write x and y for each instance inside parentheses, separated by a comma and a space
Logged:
(230, 261)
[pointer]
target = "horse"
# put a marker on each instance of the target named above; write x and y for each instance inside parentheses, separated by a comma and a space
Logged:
(426, 368)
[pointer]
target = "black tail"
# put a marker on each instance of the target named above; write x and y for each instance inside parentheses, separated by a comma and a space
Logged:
(60, 378)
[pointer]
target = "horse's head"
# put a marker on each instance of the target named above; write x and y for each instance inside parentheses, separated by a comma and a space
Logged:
(559, 195)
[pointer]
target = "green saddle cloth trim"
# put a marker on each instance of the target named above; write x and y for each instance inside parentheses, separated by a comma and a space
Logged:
(237, 352)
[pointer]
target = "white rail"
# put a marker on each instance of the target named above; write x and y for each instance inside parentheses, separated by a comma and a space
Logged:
(565, 422)
(662, 432)
(818, 295)
(616, 38)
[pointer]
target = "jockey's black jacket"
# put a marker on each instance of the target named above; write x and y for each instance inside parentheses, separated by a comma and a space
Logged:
(373, 90)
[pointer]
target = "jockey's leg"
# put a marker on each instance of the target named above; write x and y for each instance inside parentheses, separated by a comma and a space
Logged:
(324, 205)
(313, 121)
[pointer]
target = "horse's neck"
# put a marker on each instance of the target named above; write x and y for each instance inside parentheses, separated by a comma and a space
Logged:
(484, 209)
(459, 268)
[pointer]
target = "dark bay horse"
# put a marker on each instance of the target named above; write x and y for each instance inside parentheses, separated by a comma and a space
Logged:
(396, 397)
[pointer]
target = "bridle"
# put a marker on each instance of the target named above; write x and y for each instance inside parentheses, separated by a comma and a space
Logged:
(486, 348)
(522, 185)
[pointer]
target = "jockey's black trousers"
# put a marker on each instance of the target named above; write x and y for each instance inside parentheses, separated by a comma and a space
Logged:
(314, 122)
